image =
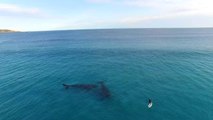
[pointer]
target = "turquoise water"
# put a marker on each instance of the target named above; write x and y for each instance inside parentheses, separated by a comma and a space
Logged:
(173, 67)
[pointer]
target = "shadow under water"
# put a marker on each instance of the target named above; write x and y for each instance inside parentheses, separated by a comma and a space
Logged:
(99, 89)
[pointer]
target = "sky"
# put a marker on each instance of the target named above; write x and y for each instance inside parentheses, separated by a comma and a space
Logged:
(40, 15)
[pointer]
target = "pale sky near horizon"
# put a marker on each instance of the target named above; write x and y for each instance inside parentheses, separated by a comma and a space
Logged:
(35, 15)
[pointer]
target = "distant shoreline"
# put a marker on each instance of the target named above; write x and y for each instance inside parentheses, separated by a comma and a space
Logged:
(92, 29)
(89, 29)
(7, 31)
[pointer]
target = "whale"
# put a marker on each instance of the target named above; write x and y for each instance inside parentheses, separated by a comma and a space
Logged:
(101, 89)
(80, 86)
(104, 91)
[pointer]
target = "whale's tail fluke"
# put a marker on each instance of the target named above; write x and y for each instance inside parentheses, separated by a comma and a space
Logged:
(104, 90)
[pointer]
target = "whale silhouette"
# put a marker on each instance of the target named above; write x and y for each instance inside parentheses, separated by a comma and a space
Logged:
(80, 86)
(102, 90)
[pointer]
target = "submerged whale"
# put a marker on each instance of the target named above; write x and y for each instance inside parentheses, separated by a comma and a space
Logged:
(81, 86)
(105, 93)
(102, 90)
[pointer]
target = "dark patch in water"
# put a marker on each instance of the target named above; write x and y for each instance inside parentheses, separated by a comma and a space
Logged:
(102, 91)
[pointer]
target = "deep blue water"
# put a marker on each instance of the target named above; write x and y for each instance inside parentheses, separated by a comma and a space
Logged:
(173, 67)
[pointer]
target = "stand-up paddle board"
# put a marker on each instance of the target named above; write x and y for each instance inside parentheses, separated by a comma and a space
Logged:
(150, 103)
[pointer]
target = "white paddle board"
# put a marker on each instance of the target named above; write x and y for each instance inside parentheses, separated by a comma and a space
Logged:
(150, 105)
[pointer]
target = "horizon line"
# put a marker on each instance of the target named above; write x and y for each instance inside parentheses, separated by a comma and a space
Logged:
(110, 29)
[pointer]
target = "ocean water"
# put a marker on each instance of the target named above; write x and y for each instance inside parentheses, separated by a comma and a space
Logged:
(173, 67)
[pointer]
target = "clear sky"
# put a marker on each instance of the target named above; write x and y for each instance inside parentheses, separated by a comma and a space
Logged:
(35, 15)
